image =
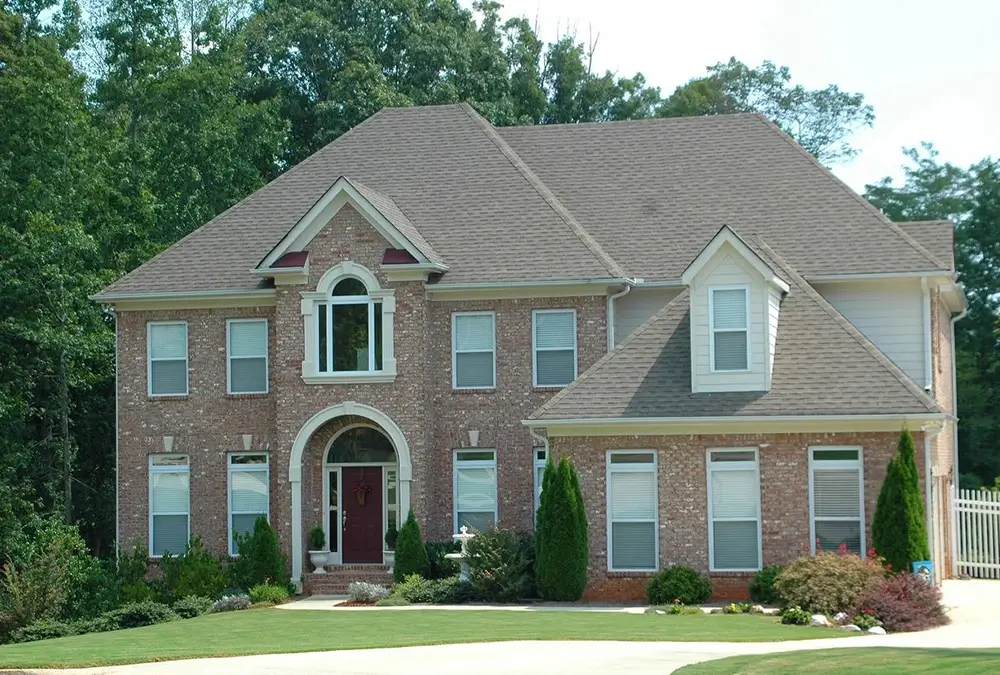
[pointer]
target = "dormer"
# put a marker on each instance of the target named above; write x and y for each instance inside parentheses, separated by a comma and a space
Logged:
(735, 298)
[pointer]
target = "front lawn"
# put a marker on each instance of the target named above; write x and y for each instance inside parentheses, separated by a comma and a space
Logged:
(870, 661)
(270, 631)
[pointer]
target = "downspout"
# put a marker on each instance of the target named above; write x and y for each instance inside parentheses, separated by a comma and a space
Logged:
(629, 283)
(543, 440)
(930, 430)
(118, 534)
(953, 516)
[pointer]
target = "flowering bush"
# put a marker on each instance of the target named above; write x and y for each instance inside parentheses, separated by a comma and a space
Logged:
(737, 608)
(905, 602)
(362, 591)
(231, 603)
(796, 616)
(828, 582)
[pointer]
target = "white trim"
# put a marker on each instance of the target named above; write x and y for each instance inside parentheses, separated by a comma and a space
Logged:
(610, 312)
(733, 466)
(537, 464)
(150, 359)
(474, 464)
(833, 278)
(118, 430)
(231, 468)
(167, 468)
(338, 555)
(535, 349)
(712, 330)
(925, 307)
(454, 348)
(187, 299)
(858, 464)
(230, 357)
(390, 428)
(633, 468)
(727, 236)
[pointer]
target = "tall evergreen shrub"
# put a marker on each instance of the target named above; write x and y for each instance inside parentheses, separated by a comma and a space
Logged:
(411, 554)
(561, 535)
(899, 531)
(261, 560)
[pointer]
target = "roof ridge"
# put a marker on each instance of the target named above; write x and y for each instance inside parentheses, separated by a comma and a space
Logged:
(843, 186)
(602, 256)
(545, 407)
(912, 387)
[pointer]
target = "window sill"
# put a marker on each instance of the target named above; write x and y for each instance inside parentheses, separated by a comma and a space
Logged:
(550, 387)
(167, 397)
(631, 573)
(473, 390)
(360, 377)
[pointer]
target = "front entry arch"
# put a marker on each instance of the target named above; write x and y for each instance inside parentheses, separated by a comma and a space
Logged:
(390, 428)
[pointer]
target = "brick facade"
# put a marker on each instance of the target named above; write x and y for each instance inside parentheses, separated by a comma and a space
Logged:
(683, 498)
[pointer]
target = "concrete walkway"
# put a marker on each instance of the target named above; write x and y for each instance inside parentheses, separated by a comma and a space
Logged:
(972, 608)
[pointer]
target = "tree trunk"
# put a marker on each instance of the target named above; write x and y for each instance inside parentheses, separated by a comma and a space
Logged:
(67, 458)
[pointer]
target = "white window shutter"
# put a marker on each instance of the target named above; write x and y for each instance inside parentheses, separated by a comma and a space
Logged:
(632, 512)
(836, 493)
(170, 492)
(633, 495)
(248, 339)
(474, 332)
(168, 341)
(735, 528)
(555, 330)
(477, 489)
(249, 492)
(729, 309)
(474, 345)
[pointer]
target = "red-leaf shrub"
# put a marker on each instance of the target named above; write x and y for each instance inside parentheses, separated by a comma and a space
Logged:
(905, 602)
(827, 583)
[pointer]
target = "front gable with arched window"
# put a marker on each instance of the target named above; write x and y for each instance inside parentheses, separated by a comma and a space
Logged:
(349, 328)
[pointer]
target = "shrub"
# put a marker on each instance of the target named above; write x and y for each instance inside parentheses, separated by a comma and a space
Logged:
(130, 574)
(192, 606)
(440, 567)
(261, 560)
(737, 608)
(899, 532)
(392, 601)
(137, 614)
(828, 582)
(363, 591)
(196, 572)
(675, 609)
(417, 590)
(678, 585)
(905, 602)
(762, 585)
(499, 570)
(99, 624)
(391, 535)
(866, 620)
(796, 616)
(414, 589)
(317, 539)
(268, 593)
(411, 555)
(44, 629)
(231, 603)
(561, 535)
(36, 589)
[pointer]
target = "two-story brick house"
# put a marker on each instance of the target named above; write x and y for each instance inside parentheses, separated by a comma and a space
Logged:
(393, 324)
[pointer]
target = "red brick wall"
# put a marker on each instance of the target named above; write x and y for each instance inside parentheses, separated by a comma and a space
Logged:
(683, 498)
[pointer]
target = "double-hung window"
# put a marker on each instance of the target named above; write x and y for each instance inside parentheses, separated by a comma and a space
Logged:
(248, 493)
(473, 350)
(733, 510)
(475, 489)
(540, 458)
(632, 511)
(169, 504)
(729, 317)
(554, 346)
(246, 345)
(836, 499)
(167, 351)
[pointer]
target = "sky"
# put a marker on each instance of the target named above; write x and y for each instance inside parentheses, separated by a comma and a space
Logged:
(930, 68)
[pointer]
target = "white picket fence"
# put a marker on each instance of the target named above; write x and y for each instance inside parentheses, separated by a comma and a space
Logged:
(978, 530)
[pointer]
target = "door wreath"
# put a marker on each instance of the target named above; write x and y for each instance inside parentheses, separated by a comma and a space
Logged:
(361, 491)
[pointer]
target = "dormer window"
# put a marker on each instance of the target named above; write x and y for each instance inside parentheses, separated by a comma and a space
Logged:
(348, 326)
(729, 316)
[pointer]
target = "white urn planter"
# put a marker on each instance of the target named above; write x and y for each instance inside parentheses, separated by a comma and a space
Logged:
(389, 558)
(318, 560)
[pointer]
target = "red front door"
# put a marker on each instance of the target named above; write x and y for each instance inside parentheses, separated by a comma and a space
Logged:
(361, 501)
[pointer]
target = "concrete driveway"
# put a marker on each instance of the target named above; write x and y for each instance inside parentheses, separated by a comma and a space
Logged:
(972, 605)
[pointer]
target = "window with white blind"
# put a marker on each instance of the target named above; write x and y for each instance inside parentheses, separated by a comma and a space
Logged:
(167, 351)
(475, 489)
(729, 315)
(632, 511)
(733, 510)
(248, 494)
(554, 346)
(169, 504)
(836, 499)
(540, 458)
(246, 345)
(473, 350)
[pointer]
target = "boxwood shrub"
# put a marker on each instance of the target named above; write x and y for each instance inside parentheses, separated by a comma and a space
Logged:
(678, 585)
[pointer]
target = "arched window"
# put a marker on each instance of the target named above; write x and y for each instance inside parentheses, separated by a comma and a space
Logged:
(361, 445)
(349, 326)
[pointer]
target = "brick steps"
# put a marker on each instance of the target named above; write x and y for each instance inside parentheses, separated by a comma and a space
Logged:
(338, 577)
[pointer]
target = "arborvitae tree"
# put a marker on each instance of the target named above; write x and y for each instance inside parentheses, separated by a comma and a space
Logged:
(411, 554)
(899, 532)
(560, 569)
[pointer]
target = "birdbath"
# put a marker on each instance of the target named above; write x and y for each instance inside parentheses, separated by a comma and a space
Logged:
(463, 563)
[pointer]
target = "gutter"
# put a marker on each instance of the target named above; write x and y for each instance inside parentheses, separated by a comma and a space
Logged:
(108, 298)
(612, 421)
(629, 284)
(544, 440)
(492, 285)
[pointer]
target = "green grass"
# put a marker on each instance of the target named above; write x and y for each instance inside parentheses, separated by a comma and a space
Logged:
(870, 661)
(270, 631)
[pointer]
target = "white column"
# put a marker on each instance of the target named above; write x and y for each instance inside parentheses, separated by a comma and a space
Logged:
(295, 478)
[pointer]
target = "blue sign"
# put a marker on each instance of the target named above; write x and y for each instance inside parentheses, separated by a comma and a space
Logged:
(925, 569)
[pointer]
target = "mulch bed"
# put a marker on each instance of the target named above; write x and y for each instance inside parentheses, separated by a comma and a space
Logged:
(351, 603)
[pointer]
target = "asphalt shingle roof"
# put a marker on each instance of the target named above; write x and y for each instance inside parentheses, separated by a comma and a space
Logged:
(937, 236)
(822, 366)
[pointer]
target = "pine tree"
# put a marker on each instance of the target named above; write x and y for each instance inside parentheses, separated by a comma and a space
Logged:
(560, 537)
(411, 554)
(899, 532)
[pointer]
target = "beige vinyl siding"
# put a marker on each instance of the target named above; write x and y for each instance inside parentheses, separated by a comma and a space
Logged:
(889, 313)
(728, 268)
(635, 309)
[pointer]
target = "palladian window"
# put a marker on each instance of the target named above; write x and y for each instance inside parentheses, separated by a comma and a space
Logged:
(349, 325)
